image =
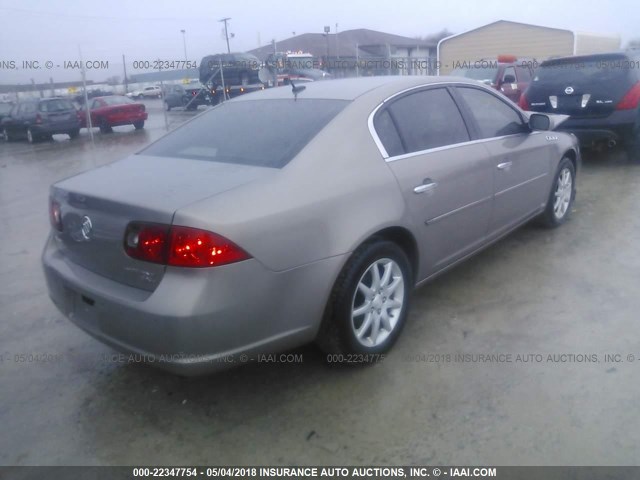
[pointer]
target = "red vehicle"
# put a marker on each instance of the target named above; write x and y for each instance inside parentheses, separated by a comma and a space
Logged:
(112, 111)
(507, 73)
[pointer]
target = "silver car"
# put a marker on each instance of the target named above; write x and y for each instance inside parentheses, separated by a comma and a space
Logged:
(299, 214)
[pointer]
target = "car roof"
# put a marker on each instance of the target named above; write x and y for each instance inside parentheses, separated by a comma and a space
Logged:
(352, 88)
(589, 58)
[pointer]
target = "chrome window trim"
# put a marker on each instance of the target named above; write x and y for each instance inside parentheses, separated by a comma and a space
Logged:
(388, 158)
(453, 145)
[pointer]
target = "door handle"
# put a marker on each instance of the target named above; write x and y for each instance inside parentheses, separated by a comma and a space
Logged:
(504, 165)
(427, 185)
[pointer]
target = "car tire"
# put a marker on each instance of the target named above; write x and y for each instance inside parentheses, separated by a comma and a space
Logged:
(362, 320)
(31, 136)
(561, 196)
(73, 134)
(167, 107)
(104, 126)
(138, 125)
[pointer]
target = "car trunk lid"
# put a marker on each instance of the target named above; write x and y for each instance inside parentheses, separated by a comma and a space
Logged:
(97, 206)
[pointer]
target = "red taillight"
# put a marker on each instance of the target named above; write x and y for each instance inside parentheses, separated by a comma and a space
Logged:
(38, 118)
(147, 242)
(523, 102)
(55, 215)
(631, 99)
(180, 246)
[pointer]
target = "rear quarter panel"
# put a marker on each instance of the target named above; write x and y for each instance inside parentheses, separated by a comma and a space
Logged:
(329, 199)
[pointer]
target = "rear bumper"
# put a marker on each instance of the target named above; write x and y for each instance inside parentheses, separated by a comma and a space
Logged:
(198, 320)
(127, 119)
(617, 127)
(55, 128)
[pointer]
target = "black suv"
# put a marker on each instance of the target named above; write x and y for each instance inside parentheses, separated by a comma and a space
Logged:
(187, 96)
(239, 69)
(601, 93)
(39, 119)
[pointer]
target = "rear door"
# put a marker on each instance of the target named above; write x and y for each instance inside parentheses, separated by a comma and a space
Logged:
(521, 160)
(446, 180)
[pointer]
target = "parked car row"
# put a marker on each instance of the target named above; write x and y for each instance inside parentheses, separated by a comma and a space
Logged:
(39, 119)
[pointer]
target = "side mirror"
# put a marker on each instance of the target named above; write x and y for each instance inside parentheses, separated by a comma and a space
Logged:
(509, 79)
(537, 121)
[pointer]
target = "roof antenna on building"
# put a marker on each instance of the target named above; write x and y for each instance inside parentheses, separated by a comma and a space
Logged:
(296, 90)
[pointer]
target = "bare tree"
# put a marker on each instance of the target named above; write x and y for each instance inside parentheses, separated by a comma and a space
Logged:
(634, 44)
(435, 37)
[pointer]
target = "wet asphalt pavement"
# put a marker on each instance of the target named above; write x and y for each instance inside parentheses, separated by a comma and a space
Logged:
(560, 299)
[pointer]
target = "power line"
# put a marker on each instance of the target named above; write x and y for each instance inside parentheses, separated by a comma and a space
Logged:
(99, 17)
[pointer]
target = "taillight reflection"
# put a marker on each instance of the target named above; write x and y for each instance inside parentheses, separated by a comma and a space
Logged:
(55, 215)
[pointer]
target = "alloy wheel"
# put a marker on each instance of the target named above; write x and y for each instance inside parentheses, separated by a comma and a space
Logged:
(563, 193)
(377, 302)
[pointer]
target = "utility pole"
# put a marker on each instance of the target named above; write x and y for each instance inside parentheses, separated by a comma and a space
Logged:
(184, 43)
(126, 81)
(226, 32)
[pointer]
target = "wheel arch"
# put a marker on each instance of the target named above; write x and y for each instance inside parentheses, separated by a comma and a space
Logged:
(572, 155)
(405, 240)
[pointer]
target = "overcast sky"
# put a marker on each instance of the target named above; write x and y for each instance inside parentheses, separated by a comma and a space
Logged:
(149, 29)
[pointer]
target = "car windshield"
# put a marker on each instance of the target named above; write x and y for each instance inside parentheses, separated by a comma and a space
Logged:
(57, 105)
(579, 71)
(482, 74)
(266, 133)
(5, 107)
(117, 100)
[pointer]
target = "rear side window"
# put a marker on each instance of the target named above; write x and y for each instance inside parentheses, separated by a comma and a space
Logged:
(265, 133)
(493, 116)
(428, 119)
(388, 134)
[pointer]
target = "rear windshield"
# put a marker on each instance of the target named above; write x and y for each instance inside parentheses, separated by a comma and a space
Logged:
(579, 71)
(266, 133)
(482, 74)
(58, 105)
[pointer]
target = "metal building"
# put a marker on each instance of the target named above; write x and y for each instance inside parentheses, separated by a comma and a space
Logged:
(520, 39)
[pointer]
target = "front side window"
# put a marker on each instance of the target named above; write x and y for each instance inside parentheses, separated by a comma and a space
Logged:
(493, 117)
(428, 119)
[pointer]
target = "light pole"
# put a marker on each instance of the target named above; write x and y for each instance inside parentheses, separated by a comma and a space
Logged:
(226, 33)
(184, 43)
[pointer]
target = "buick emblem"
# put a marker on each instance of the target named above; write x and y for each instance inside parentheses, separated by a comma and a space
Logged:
(568, 90)
(82, 232)
(85, 230)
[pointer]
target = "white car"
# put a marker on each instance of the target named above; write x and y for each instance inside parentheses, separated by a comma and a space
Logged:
(146, 92)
